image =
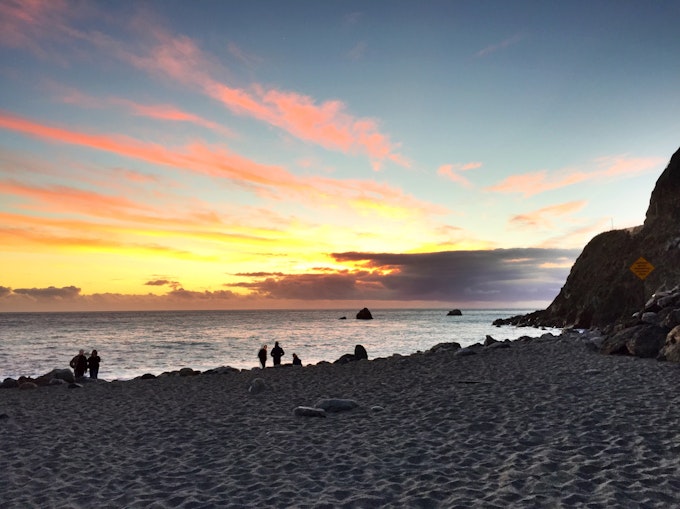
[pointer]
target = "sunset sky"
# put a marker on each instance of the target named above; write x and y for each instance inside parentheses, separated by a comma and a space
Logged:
(283, 154)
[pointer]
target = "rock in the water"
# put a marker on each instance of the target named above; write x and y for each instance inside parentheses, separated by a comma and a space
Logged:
(455, 312)
(364, 314)
(308, 411)
(336, 404)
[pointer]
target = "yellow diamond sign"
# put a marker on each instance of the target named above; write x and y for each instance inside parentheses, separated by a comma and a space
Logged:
(641, 268)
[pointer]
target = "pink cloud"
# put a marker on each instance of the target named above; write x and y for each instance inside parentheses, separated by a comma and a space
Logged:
(452, 172)
(267, 180)
(543, 217)
(605, 168)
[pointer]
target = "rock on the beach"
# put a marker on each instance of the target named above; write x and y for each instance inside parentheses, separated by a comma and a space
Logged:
(364, 314)
(28, 386)
(336, 404)
(257, 386)
(489, 340)
(444, 347)
(360, 353)
(464, 352)
(308, 411)
(640, 341)
(188, 372)
(671, 349)
(9, 383)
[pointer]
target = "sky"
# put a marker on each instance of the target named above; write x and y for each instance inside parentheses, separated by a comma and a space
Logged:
(338, 154)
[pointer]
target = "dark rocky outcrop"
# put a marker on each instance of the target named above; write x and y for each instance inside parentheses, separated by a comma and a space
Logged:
(601, 291)
(455, 312)
(364, 314)
(644, 340)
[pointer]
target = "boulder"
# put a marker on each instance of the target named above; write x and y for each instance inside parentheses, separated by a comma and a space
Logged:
(257, 386)
(348, 357)
(364, 314)
(188, 372)
(9, 383)
(454, 312)
(28, 386)
(489, 340)
(445, 347)
(360, 353)
(644, 340)
(336, 404)
(60, 374)
(671, 348)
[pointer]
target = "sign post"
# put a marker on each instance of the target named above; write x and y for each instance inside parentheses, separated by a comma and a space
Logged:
(642, 268)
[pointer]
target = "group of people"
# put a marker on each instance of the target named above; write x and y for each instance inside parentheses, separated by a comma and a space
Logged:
(81, 363)
(277, 353)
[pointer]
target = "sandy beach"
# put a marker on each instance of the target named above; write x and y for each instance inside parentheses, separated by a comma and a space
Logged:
(544, 423)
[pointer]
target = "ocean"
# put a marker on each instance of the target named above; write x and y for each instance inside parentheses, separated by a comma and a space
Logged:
(131, 344)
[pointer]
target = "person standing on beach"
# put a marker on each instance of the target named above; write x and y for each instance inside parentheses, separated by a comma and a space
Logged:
(262, 354)
(277, 353)
(79, 364)
(93, 364)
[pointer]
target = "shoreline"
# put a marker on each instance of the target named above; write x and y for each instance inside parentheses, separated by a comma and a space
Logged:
(545, 422)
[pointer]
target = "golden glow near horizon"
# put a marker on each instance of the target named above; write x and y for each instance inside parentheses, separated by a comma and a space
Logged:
(147, 162)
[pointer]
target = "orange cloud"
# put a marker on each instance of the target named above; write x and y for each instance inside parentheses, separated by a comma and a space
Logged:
(451, 171)
(530, 184)
(543, 217)
(219, 162)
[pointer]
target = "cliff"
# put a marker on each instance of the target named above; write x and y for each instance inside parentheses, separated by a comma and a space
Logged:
(601, 290)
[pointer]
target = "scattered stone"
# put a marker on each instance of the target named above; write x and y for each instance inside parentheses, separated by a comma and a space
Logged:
(348, 357)
(146, 376)
(28, 386)
(257, 386)
(75, 385)
(377, 408)
(308, 411)
(336, 404)
(188, 372)
(364, 314)
(222, 370)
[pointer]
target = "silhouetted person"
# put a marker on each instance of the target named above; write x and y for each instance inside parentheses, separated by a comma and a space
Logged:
(277, 353)
(296, 360)
(262, 354)
(79, 364)
(93, 364)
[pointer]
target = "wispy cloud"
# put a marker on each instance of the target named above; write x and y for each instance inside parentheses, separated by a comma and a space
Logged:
(453, 172)
(602, 169)
(220, 162)
(493, 48)
(544, 217)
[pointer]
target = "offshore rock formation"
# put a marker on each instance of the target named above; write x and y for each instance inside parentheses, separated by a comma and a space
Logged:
(601, 291)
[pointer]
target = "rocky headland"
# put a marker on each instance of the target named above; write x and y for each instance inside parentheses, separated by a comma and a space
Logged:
(636, 316)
